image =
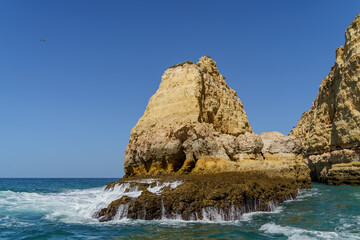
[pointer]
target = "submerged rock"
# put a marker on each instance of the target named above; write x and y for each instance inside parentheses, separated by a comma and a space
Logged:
(330, 130)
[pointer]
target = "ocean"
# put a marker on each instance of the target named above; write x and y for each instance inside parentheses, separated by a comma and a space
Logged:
(64, 208)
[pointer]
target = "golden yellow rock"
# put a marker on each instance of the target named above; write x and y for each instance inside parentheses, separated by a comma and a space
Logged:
(195, 132)
(196, 124)
(333, 122)
(191, 93)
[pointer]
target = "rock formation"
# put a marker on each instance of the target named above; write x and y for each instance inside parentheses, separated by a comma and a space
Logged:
(330, 130)
(195, 130)
(196, 123)
(192, 103)
(214, 197)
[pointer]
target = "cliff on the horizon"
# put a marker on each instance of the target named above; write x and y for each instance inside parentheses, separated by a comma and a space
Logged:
(330, 130)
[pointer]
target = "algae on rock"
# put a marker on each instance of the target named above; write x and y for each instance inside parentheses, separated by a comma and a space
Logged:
(216, 197)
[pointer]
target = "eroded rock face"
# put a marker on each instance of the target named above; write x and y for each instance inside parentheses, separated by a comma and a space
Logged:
(193, 93)
(195, 123)
(332, 125)
(284, 153)
(183, 121)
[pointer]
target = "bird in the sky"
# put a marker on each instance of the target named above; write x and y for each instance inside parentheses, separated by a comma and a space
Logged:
(42, 40)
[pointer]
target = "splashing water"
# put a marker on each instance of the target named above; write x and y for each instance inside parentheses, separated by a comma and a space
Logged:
(63, 209)
(76, 206)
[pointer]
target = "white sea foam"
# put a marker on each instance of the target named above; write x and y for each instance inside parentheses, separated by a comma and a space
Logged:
(74, 206)
(307, 193)
(148, 180)
(208, 214)
(79, 206)
(349, 224)
(234, 215)
(249, 216)
(158, 189)
(294, 233)
(357, 195)
(122, 212)
(13, 222)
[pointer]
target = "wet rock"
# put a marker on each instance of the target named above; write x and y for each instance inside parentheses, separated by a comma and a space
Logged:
(215, 196)
(107, 214)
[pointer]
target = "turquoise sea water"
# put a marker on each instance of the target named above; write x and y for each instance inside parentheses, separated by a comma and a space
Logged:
(63, 209)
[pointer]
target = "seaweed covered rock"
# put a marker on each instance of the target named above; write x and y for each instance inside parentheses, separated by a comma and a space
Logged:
(330, 130)
(213, 196)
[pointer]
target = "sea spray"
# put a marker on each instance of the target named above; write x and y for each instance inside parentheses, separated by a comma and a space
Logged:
(193, 197)
(207, 214)
(24, 214)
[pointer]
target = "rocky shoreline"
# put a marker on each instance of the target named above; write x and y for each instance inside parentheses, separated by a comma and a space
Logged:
(215, 197)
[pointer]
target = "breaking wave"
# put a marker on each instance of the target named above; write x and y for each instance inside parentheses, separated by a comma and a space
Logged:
(72, 206)
(294, 233)
(75, 206)
(79, 206)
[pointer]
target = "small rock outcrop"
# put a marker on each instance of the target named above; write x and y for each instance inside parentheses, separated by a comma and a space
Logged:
(330, 130)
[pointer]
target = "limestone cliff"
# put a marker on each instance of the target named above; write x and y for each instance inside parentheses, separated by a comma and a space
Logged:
(330, 130)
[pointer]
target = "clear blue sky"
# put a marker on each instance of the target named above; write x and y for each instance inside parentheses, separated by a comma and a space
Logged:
(67, 105)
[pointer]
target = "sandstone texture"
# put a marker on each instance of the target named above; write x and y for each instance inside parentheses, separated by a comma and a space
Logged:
(192, 93)
(330, 130)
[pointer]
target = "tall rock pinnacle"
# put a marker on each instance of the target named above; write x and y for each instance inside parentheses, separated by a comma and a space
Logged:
(195, 123)
(194, 93)
(196, 134)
